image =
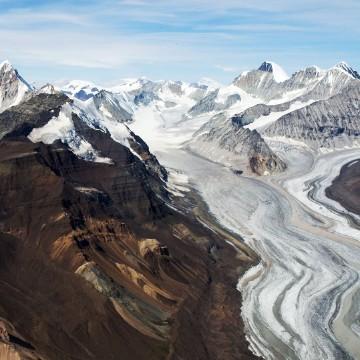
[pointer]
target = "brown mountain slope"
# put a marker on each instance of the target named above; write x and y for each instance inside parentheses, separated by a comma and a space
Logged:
(95, 265)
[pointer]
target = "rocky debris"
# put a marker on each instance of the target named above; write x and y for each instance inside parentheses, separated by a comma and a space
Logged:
(146, 318)
(8, 352)
(149, 246)
(4, 336)
(12, 347)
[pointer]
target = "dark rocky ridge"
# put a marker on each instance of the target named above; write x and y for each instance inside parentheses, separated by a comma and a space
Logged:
(345, 188)
(95, 265)
(35, 112)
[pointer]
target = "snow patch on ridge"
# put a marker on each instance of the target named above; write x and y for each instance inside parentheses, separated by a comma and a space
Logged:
(62, 128)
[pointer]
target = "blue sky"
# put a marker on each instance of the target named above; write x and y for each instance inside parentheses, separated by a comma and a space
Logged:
(105, 41)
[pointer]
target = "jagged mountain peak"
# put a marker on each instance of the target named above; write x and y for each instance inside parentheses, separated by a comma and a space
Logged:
(8, 72)
(13, 87)
(279, 73)
(47, 89)
(347, 68)
(5, 65)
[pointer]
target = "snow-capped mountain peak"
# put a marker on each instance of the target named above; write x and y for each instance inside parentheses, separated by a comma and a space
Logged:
(5, 65)
(80, 89)
(348, 69)
(278, 72)
(13, 88)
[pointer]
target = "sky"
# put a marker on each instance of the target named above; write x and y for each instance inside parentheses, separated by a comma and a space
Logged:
(105, 41)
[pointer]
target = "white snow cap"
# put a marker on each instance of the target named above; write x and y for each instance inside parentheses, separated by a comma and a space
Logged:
(5, 63)
(279, 73)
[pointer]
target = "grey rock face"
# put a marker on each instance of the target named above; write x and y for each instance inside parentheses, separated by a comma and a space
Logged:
(257, 82)
(249, 115)
(110, 102)
(209, 103)
(206, 104)
(325, 123)
(226, 141)
(231, 100)
(145, 98)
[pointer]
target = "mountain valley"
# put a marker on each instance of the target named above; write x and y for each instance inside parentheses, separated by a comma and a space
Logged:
(174, 220)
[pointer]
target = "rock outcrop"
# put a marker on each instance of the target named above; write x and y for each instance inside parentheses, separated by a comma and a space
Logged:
(226, 141)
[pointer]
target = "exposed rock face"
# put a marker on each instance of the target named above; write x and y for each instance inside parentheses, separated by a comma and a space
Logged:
(345, 188)
(111, 105)
(227, 141)
(249, 115)
(145, 98)
(329, 123)
(48, 117)
(211, 102)
(93, 263)
(257, 82)
(207, 104)
(36, 112)
(13, 88)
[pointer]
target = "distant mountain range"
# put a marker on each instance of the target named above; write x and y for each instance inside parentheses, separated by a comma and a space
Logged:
(313, 107)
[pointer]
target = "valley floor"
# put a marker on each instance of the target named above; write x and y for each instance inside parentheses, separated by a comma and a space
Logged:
(302, 300)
